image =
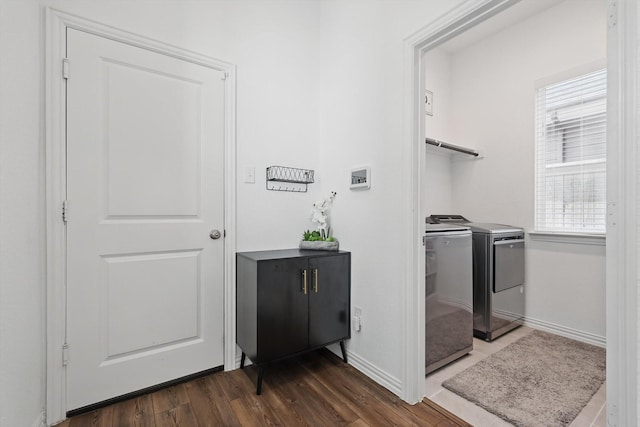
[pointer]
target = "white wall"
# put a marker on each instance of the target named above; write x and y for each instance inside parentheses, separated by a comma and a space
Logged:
(274, 45)
(361, 123)
(319, 86)
(22, 247)
(493, 98)
(436, 176)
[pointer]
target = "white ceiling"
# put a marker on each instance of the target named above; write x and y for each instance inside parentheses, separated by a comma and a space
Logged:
(511, 16)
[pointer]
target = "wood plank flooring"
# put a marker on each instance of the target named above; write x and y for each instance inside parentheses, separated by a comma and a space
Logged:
(316, 389)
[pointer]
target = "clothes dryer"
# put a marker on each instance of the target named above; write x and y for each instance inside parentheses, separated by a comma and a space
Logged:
(498, 275)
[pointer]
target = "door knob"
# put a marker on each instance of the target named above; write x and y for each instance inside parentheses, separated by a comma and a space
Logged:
(215, 234)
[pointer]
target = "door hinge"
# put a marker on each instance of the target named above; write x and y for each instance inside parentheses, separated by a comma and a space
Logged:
(612, 14)
(65, 68)
(65, 354)
(612, 214)
(612, 419)
(65, 211)
(225, 74)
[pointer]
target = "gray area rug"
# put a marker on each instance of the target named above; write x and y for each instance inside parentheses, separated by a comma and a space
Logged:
(540, 380)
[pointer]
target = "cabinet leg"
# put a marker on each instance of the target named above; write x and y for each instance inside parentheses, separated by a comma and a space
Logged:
(344, 351)
(260, 375)
(242, 360)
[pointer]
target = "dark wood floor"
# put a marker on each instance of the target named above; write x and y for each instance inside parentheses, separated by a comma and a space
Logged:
(316, 389)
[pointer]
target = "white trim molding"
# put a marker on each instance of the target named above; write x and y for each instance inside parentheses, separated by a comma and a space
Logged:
(574, 238)
(459, 19)
(622, 199)
(372, 371)
(55, 230)
(554, 328)
(41, 421)
(56, 23)
(622, 213)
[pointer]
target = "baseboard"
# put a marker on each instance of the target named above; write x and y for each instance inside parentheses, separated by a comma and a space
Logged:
(383, 378)
(564, 331)
(41, 421)
(394, 385)
(370, 370)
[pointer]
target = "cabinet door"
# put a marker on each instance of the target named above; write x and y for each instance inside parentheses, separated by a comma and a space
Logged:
(283, 309)
(329, 299)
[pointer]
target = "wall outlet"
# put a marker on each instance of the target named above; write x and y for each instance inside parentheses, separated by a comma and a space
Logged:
(356, 319)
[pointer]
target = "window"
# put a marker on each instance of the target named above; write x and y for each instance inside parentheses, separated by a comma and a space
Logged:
(571, 118)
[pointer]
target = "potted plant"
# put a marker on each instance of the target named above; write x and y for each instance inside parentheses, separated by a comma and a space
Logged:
(320, 239)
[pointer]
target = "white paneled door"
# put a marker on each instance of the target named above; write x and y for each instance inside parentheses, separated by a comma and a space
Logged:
(145, 143)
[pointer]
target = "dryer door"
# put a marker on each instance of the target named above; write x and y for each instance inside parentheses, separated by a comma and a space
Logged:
(509, 264)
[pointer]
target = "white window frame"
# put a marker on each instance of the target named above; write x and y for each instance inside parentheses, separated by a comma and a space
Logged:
(544, 231)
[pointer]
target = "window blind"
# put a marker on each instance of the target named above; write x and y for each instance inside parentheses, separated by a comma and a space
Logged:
(571, 137)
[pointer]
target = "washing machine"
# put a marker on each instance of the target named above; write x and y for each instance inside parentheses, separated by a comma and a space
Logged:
(498, 275)
(449, 294)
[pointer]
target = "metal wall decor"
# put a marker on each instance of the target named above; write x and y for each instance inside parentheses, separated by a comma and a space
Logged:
(283, 178)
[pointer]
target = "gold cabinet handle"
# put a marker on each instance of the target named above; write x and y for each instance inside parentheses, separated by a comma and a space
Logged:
(304, 281)
(315, 280)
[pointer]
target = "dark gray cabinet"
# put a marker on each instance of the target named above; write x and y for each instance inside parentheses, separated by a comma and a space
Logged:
(291, 301)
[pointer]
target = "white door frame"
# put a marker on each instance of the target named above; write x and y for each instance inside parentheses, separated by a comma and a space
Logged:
(57, 23)
(622, 276)
(622, 213)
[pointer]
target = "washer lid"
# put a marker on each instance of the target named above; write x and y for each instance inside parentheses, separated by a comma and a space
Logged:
(447, 218)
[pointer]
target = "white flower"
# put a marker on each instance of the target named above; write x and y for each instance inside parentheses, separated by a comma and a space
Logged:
(319, 213)
(320, 217)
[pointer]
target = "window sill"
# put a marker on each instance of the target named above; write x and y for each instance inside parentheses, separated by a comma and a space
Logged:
(575, 238)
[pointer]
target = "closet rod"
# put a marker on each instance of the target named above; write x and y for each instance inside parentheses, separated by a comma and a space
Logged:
(452, 147)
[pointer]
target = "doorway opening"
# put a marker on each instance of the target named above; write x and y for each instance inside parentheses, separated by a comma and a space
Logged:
(617, 352)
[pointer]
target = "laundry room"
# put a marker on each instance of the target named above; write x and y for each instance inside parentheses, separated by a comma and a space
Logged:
(482, 121)
(399, 113)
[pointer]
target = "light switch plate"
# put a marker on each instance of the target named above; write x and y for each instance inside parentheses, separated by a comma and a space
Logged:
(428, 103)
(250, 174)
